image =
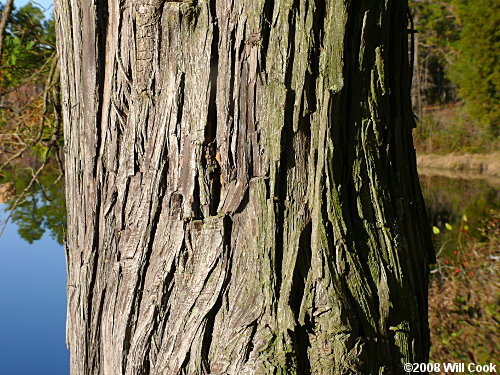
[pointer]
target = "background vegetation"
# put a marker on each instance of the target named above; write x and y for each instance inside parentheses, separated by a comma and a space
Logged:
(30, 126)
(456, 75)
(464, 297)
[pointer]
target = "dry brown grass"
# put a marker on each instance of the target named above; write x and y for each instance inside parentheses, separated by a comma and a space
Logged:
(7, 192)
(488, 164)
(444, 130)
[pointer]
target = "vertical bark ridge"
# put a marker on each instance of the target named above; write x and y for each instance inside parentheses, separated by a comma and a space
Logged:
(280, 195)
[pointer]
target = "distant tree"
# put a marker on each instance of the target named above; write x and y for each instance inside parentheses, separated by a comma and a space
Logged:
(4, 18)
(29, 43)
(30, 131)
(456, 57)
(436, 31)
(477, 68)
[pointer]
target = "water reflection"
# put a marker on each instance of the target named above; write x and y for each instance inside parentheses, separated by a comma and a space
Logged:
(42, 209)
(457, 206)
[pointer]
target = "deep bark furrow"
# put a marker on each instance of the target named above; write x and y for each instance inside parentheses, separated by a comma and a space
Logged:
(286, 154)
(265, 30)
(211, 167)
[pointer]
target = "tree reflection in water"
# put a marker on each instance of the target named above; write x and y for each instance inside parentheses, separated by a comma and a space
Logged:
(41, 209)
(457, 206)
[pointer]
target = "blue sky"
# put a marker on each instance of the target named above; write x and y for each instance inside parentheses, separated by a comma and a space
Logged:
(44, 4)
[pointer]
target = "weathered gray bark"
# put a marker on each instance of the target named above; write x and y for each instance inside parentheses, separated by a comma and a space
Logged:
(241, 188)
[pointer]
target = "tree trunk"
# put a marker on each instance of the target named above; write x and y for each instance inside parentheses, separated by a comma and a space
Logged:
(7, 10)
(416, 84)
(241, 187)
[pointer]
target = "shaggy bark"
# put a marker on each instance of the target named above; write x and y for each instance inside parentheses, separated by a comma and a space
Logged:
(241, 187)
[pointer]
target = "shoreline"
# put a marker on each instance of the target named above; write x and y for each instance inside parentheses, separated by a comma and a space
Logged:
(492, 181)
(473, 165)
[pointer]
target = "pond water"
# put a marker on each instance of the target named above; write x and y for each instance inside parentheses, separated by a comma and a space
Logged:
(33, 277)
(32, 305)
(457, 207)
(33, 272)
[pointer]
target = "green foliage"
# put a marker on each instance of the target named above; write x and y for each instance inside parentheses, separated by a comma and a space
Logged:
(477, 68)
(456, 56)
(437, 26)
(30, 124)
(29, 42)
(437, 32)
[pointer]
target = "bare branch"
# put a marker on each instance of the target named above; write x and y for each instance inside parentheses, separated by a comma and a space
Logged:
(53, 75)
